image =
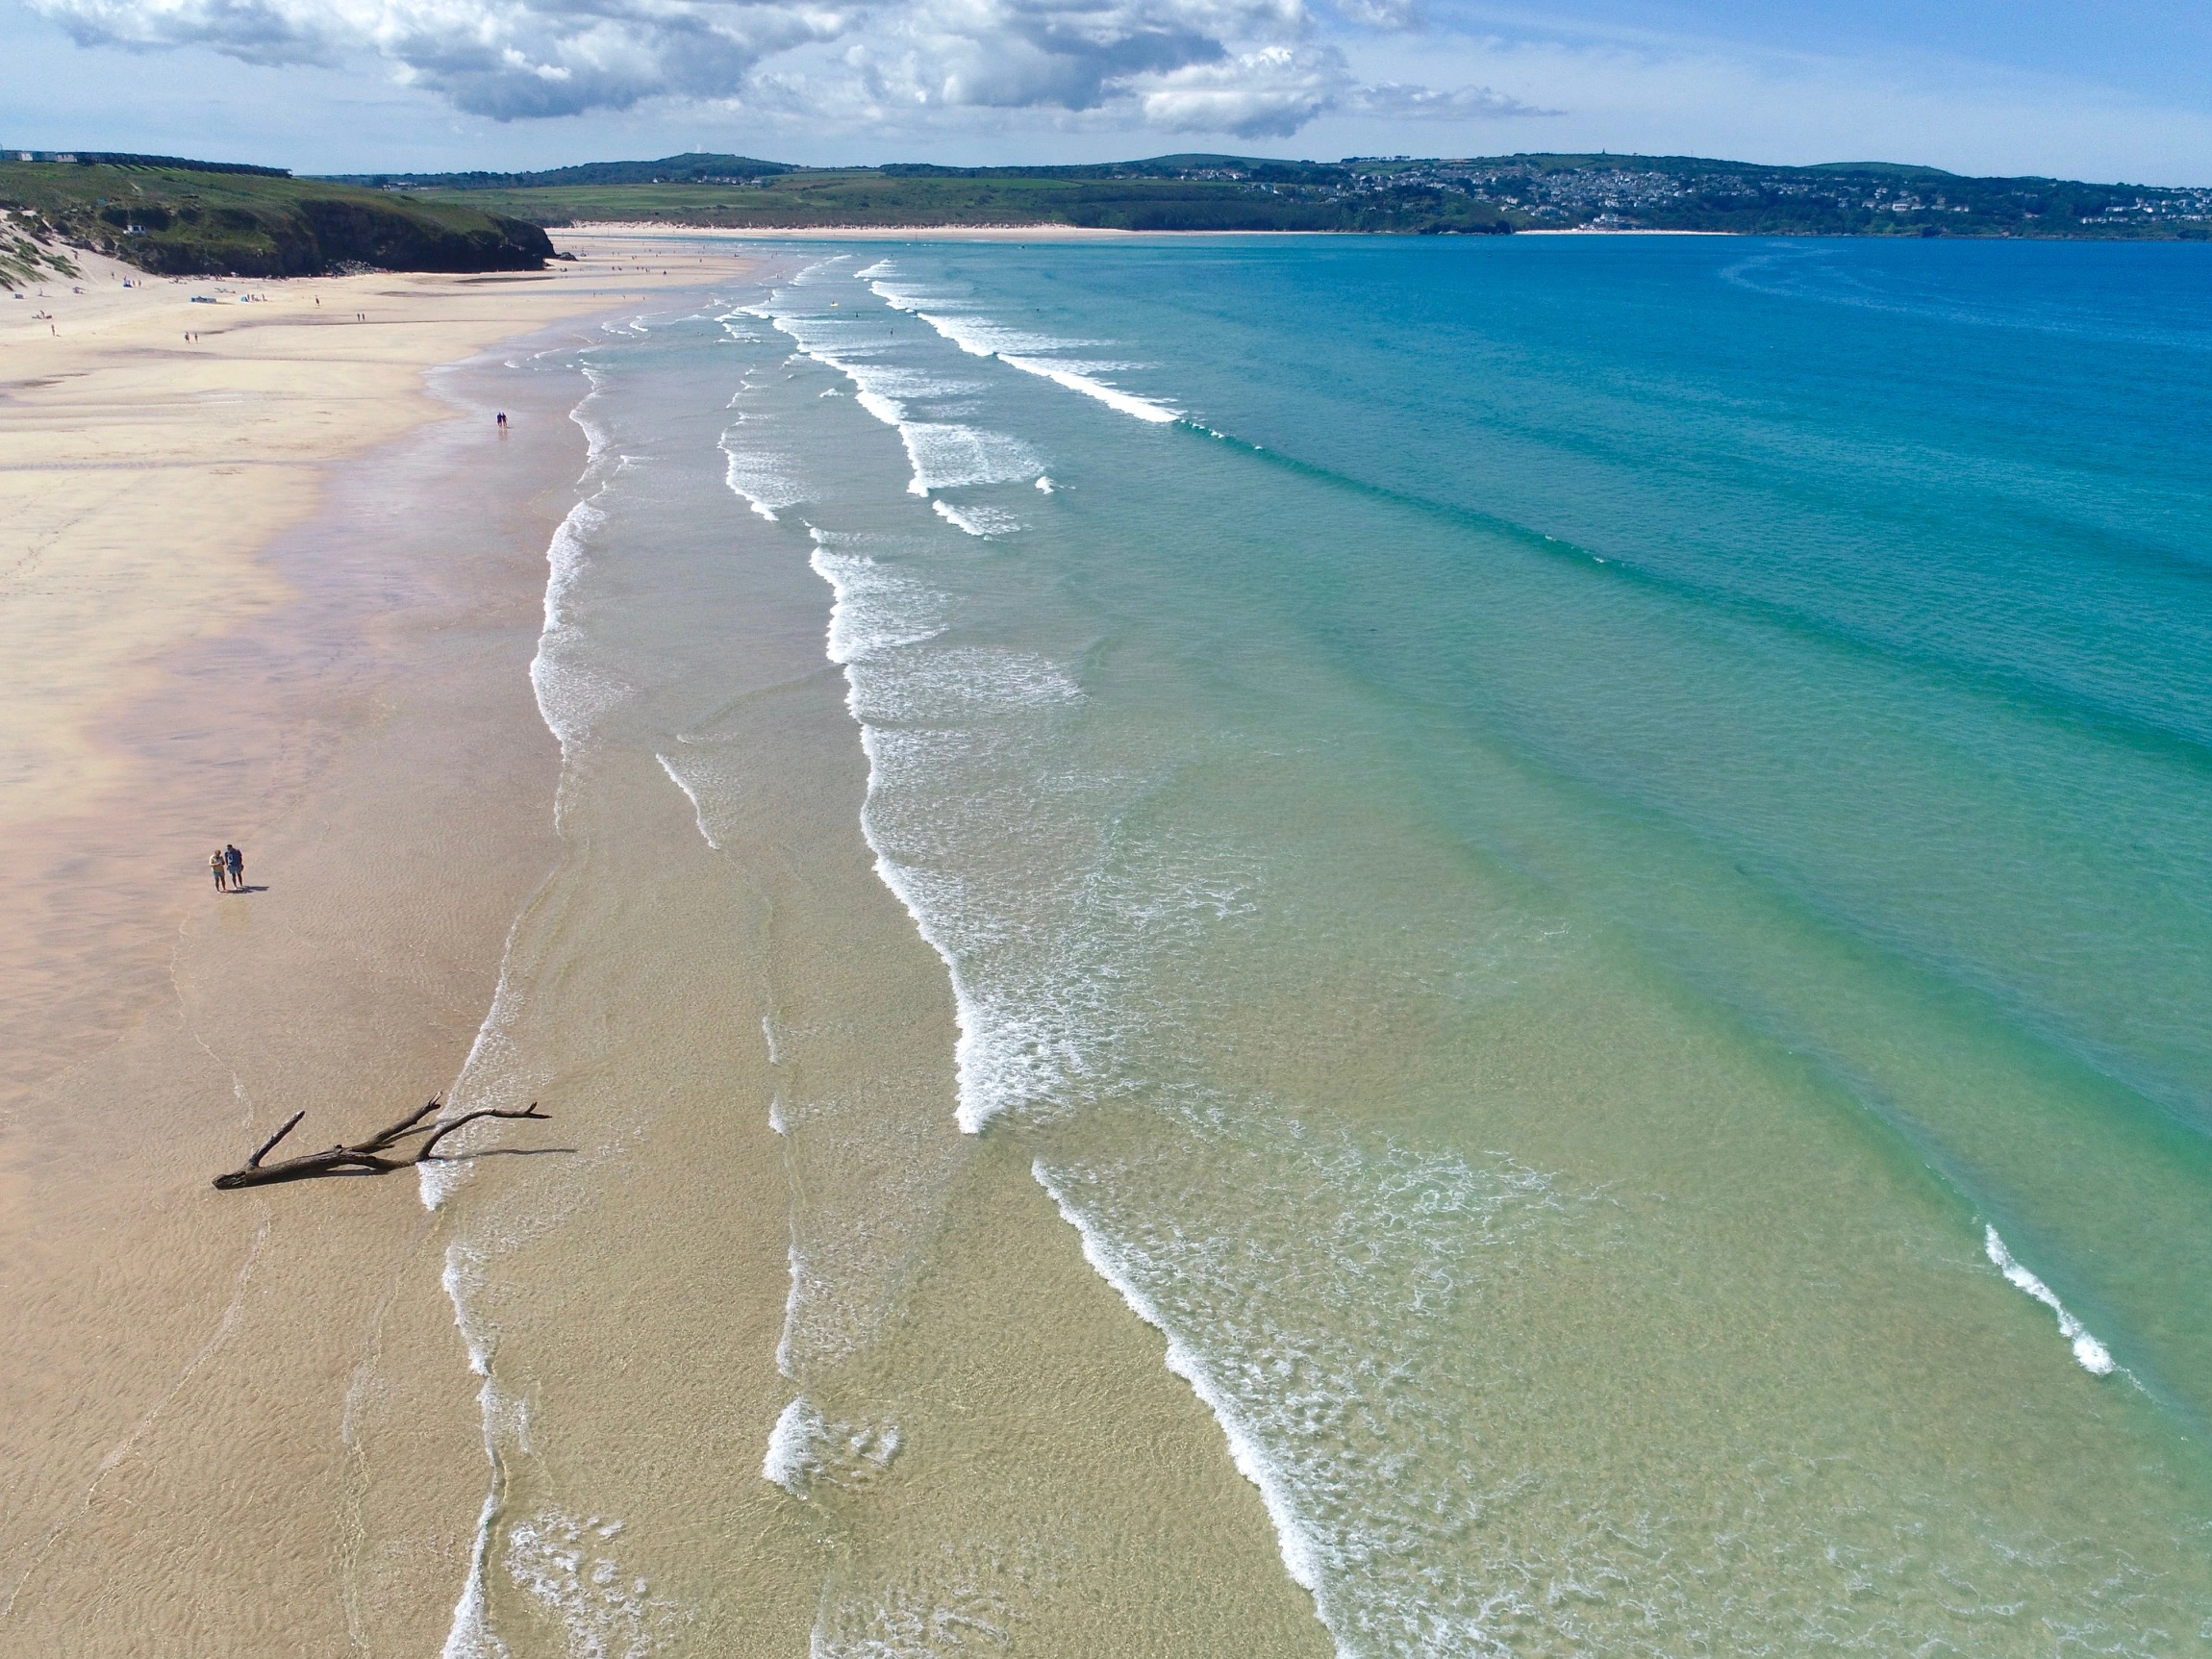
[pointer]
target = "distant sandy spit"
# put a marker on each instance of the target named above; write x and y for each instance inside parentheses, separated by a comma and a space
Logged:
(1616, 231)
(610, 235)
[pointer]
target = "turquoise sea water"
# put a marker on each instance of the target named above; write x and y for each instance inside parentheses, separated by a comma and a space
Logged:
(1582, 864)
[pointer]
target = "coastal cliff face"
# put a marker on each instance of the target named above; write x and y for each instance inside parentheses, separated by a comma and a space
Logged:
(185, 221)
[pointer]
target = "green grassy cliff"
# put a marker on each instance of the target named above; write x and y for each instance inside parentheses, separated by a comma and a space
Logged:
(180, 218)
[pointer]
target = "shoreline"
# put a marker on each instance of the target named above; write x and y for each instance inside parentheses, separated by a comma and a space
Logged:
(621, 229)
(893, 232)
(320, 652)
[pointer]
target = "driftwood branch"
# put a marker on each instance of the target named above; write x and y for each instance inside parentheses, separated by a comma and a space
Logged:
(267, 1147)
(377, 1155)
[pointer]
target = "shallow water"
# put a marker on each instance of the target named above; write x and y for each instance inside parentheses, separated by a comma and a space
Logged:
(1578, 863)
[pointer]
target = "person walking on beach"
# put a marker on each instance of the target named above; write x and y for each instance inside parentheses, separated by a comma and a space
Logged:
(503, 420)
(217, 867)
(236, 862)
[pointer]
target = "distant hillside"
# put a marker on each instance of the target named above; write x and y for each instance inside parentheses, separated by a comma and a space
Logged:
(1402, 194)
(693, 168)
(121, 159)
(183, 218)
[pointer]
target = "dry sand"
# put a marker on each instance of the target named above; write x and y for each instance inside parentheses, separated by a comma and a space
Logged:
(217, 624)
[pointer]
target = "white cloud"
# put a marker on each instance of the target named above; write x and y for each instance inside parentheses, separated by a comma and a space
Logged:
(1276, 91)
(1246, 68)
(1268, 94)
(499, 57)
(1397, 101)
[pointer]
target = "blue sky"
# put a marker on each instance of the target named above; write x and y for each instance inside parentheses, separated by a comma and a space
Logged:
(2119, 91)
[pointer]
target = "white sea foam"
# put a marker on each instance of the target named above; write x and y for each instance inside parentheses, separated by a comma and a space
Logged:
(698, 813)
(806, 1449)
(1089, 385)
(566, 1568)
(798, 1428)
(1046, 485)
(1011, 1045)
(961, 1600)
(942, 454)
(876, 609)
(948, 455)
(764, 478)
(981, 337)
(977, 520)
(572, 695)
(963, 685)
(883, 409)
(469, 1636)
(2090, 1355)
(795, 1283)
(491, 1075)
(1300, 1559)
(958, 321)
(1314, 1293)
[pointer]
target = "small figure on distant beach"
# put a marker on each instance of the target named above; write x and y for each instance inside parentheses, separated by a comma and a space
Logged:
(236, 862)
(503, 420)
(217, 867)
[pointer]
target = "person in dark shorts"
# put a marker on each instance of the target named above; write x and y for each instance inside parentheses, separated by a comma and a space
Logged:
(235, 862)
(217, 866)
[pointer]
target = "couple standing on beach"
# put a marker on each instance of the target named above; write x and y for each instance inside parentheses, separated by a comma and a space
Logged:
(228, 866)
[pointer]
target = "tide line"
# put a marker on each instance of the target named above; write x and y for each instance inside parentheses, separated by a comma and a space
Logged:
(1299, 1553)
(2093, 1356)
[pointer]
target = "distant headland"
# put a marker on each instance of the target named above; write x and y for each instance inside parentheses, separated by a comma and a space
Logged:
(180, 218)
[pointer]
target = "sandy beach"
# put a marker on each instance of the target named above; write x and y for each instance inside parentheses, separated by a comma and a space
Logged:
(276, 583)
(281, 584)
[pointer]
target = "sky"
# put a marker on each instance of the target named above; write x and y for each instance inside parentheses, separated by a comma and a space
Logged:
(2118, 91)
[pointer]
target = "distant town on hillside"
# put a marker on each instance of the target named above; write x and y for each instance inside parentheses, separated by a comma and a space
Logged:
(1388, 193)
